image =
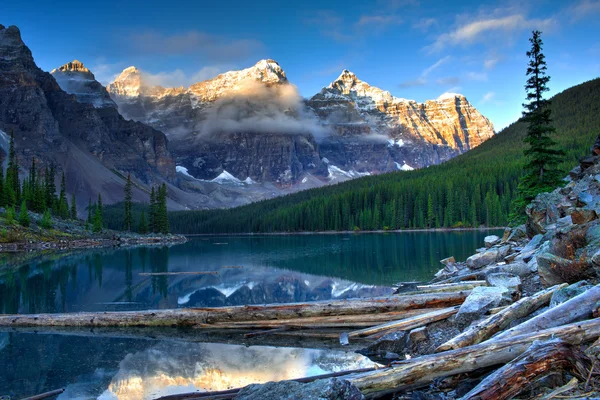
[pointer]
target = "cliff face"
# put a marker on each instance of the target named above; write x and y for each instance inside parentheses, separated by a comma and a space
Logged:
(83, 133)
(347, 130)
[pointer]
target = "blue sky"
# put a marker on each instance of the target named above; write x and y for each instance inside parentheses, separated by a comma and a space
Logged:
(416, 49)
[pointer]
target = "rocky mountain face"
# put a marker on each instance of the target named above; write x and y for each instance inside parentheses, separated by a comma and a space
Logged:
(82, 133)
(347, 130)
(75, 78)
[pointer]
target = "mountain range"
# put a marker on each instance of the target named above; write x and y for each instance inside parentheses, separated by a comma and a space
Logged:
(239, 137)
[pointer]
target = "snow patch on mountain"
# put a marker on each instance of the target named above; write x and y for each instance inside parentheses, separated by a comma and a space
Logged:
(226, 178)
(249, 181)
(336, 172)
(395, 142)
(404, 167)
(183, 170)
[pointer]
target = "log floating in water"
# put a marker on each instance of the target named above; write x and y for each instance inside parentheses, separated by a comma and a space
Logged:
(179, 273)
(578, 308)
(407, 323)
(336, 321)
(500, 321)
(537, 361)
(45, 395)
(196, 316)
(451, 287)
(423, 370)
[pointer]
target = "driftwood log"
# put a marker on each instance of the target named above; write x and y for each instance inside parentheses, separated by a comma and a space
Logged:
(451, 287)
(196, 316)
(335, 321)
(537, 361)
(575, 309)
(45, 395)
(500, 321)
(423, 370)
(407, 323)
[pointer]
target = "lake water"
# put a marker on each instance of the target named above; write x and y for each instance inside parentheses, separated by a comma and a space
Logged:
(244, 270)
(91, 363)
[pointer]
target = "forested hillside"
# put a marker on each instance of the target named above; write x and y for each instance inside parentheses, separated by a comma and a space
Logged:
(471, 190)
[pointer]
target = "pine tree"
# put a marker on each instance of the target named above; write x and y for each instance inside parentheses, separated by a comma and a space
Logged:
(51, 199)
(2, 198)
(13, 186)
(46, 220)
(90, 212)
(23, 214)
(161, 218)
(143, 225)
(153, 211)
(97, 223)
(541, 171)
(128, 218)
(63, 205)
(73, 211)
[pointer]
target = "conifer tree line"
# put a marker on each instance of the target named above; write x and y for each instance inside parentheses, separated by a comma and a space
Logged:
(37, 192)
(153, 218)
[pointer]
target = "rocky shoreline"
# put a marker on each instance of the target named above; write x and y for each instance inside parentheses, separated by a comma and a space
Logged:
(93, 242)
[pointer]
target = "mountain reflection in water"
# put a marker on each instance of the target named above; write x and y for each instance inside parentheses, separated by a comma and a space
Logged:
(137, 369)
(249, 270)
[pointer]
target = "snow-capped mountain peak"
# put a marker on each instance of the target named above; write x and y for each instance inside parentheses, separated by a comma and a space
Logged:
(127, 84)
(73, 66)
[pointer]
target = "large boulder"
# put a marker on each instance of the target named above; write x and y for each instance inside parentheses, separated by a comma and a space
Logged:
(581, 216)
(480, 300)
(504, 280)
(491, 241)
(554, 270)
(567, 293)
(543, 211)
(480, 260)
(519, 268)
(322, 389)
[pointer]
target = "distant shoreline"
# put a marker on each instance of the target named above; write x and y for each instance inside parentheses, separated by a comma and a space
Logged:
(342, 232)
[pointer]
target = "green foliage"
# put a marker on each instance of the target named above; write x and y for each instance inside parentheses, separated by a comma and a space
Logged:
(23, 214)
(46, 221)
(10, 215)
(63, 205)
(476, 188)
(128, 218)
(73, 210)
(143, 225)
(542, 156)
(97, 223)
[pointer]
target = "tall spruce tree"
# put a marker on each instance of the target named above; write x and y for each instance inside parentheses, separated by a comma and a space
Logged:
(153, 211)
(128, 217)
(98, 223)
(73, 210)
(162, 218)
(541, 171)
(63, 205)
(13, 186)
(51, 199)
(143, 225)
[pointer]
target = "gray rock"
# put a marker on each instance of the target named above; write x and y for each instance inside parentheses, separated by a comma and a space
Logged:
(581, 216)
(491, 240)
(549, 266)
(564, 294)
(418, 335)
(584, 198)
(504, 280)
(518, 268)
(394, 342)
(542, 211)
(481, 299)
(480, 260)
(448, 260)
(596, 258)
(564, 222)
(322, 389)
(517, 233)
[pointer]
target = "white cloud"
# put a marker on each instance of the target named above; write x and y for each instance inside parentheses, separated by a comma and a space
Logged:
(178, 77)
(583, 9)
(477, 76)
(425, 23)
(423, 78)
(479, 30)
(489, 96)
(490, 63)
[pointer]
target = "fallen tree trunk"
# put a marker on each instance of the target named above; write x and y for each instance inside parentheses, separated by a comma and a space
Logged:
(45, 395)
(407, 323)
(575, 309)
(423, 370)
(500, 321)
(537, 361)
(336, 321)
(196, 316)
(450, 287)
